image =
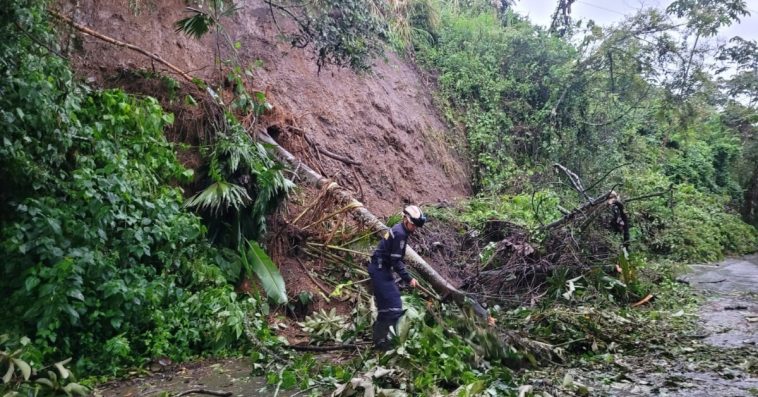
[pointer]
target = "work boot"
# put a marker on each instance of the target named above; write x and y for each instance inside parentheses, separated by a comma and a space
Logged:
(381, 334)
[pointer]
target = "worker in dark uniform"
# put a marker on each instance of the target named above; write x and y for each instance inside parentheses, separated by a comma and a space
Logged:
(387, 257)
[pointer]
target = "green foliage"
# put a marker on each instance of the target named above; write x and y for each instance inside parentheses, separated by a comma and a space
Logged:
(203, 19)
(100, 261)
(504, 81)
(243, 185)
(220, 196)
(345, 33)
(211, 321)
(444, 359)
(688, 225)
(705, 158)
(706, 17)
(17, 381)
(527, 210)
(325, 326)
(451, 355)
(412, 21)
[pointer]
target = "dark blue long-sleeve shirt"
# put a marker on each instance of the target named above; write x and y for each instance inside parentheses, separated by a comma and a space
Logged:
(391, 251)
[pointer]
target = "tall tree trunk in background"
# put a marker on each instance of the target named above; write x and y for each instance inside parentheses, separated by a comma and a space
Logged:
(750, 206)
(369, 220)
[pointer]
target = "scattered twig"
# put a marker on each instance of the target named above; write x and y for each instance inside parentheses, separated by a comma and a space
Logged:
(321, 287)
(570, 342)
(307, 390)
(338, 248)
(643, 300)
(360, 185)
(349, 207)
(337, 156)
(279, 384)
(204, 391)
(309, 348)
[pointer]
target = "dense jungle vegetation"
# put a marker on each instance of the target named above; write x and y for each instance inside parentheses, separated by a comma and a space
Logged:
(108, 266)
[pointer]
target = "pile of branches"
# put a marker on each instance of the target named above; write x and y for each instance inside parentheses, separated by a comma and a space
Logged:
(507, 264)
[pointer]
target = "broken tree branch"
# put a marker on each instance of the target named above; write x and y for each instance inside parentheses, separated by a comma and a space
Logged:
(575, 181)
(318, 284)
(113, 41)
(328, 153)
(579, 210)
(204, 391)
(602, 178)
(651, 195)
(309, 348)
(369, 220)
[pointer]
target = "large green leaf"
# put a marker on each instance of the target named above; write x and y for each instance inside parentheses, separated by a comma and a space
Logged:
(255, 259)
(26, 370)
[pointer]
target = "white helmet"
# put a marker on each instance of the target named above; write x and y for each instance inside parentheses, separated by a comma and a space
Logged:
(414, 214)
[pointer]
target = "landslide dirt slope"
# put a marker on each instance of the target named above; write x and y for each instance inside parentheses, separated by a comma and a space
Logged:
(385, 120)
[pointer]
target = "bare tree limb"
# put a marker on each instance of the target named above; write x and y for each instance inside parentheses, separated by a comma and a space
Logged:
(602, 178)
(579, 210)
(651, 195)
(575, 181)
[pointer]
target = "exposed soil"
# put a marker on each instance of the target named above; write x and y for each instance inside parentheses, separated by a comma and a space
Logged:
(385, 120)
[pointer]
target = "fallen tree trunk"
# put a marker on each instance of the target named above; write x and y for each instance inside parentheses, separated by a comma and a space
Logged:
(365, 217)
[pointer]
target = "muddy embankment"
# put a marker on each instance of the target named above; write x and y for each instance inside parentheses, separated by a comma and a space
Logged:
(385, 120)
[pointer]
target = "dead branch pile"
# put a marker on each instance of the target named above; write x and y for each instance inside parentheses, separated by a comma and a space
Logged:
(504, 263)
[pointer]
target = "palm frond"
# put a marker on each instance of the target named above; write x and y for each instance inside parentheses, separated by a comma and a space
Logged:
(195, 26)
(219, 196)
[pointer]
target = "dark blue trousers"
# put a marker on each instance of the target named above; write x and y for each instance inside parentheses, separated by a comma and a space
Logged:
(387, 298)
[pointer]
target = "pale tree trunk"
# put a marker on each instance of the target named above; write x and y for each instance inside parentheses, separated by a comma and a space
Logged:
(370, 221)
